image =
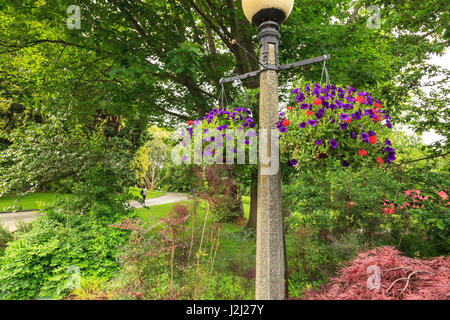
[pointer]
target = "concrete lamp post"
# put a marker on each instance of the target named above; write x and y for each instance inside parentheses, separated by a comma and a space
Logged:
(267, 15)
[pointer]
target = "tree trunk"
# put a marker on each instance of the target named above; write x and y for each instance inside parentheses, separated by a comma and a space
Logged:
(241, 205)
(252, 218)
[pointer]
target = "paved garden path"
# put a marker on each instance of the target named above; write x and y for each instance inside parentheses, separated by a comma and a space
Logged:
(169, 197)
(10, 220)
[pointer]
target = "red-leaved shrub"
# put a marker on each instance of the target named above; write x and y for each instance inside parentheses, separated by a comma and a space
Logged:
(401, 278)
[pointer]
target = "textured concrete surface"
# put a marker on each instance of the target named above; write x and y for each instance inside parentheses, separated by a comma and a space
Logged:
(269, 241)
(10, 221)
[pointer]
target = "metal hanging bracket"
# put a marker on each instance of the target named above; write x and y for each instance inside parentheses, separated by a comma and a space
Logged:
(287, 66)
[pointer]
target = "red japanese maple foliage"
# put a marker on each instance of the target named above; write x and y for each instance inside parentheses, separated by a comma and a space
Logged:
(401, 278)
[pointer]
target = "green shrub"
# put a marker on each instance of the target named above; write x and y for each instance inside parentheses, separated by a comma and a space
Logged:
(91, 288)
(36, 264)
(5, 237)
(228, 287)
(314, 256)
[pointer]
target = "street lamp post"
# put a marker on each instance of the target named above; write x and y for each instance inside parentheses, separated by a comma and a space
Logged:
(267, 15)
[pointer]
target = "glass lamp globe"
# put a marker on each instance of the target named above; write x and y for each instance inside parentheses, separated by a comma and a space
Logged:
(258, 11)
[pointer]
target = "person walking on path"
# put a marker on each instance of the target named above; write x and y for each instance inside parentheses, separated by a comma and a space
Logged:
(144, 194)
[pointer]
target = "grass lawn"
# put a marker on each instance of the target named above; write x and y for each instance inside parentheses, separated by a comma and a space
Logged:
(136, 192)
(150, 214)
(156, 212)
(37, 200)
(30, 201)
(230, 241)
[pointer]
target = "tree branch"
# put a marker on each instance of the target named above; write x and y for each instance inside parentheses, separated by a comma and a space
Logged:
(213, 26)
(426, 158)
(35, 42)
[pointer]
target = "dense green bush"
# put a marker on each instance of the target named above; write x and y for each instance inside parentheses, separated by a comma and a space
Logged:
(377, 204)
(143, 270)
(228, 287)
(314, 255)
(348, 200)
(5, 237)
(72, 235)
(180, 178)
(38, 263)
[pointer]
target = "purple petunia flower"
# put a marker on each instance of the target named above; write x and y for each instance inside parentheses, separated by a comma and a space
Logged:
(282, 129)
(357, 115)
(300, 97)
(339, 103)
(371, 133)
(333, 144)
(364, 136)
(312, 122)
(368, 112)
(354, 135)
(302, 125)
(388, 142)
(343, 125)
(292, 162)
(350, 99)
(391, 156)
(347, 106)
(389, 150)
(319, 142)
(345, 163)
(304, 106)
(344, 117)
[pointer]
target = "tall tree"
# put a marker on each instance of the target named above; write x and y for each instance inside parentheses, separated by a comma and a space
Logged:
(160, 61)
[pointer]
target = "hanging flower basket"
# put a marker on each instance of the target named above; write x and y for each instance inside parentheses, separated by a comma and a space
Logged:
(329, 125)
(214, 127)
(324, 127)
